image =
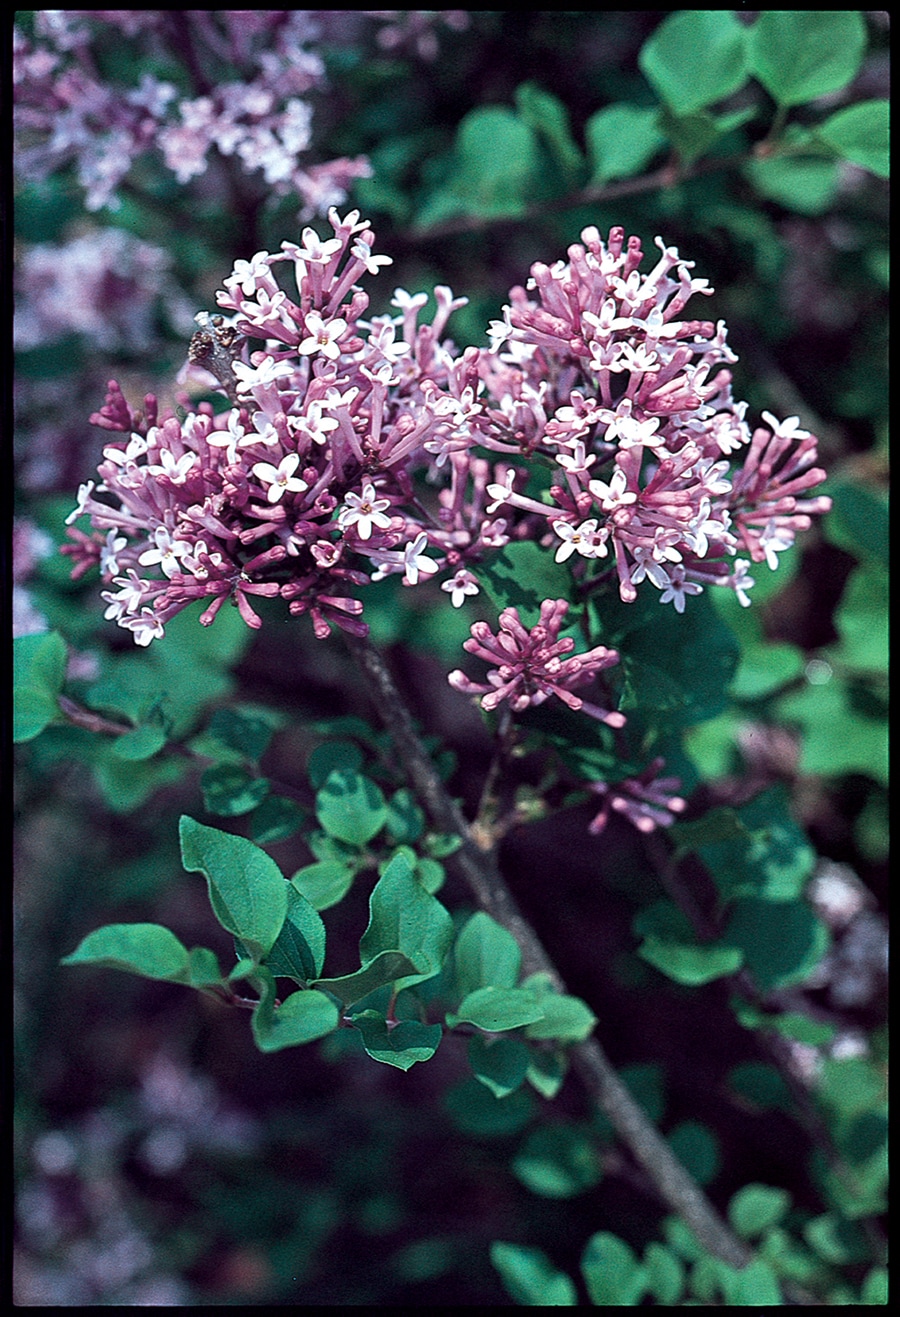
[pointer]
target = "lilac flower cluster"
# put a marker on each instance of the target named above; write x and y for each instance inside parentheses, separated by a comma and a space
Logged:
(105, 285)
(67, 112)
(529, 666)
(415, 29)
(304, 487)
(600, 377)
(599, 423)
(619, 412)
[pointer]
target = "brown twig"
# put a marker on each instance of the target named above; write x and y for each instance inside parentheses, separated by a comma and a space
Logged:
(479, 866)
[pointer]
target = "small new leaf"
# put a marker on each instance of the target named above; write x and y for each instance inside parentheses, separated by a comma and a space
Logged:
(398, 1044)
(302, 1017)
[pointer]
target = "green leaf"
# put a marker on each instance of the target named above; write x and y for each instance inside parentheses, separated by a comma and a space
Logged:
(765, 667)
(497, 1009)
(799, 55)
(430, 874)
(299, 950)
(693, 135)
(682, 1240)
(247, 892)
(405, 818)
(670, 945)
(39, 670)
(325, 758)
(401, 1044)
(244, 729)
(781, 941)
(275, 819)
(756, 1208)
(612, 1273)
(386, 967)
(859, 520)
(486, 955)
(862, 620)
(230, 790)
(126, 784)
(761, 1086)
(501, 1064)
(697, 1148)
(204, 967)
(557, 1161)
(549, 118)
(665, 1273)
(140, 743)
(324, 884)
(546, 1072)
(769, 855)
(498, 162)
(690, 965)
(476, 1111)
(404, 917)
(755, 1285)
(622, 140)
(850, 1087)
(658, 649)
(669, 58)
(586, 746)
(301, 1018)
(789, 1024)
(351, 807)
(836, 738)
(566, 1019)
(646, 1084)
(522, 576)
(861, 134)
(790, 1259)
(875, 1287)
(176, 677)
(531, 1278)
(722, 824)
(146, 949)
(805, 185)
(438, 845)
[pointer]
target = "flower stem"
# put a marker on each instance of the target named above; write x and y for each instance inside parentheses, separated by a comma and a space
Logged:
(478, 863)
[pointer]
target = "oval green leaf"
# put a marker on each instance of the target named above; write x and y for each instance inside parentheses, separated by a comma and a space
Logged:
(531, 1278)
(146, 949)
(351, 807)
(861, 134)
(695, 57)
(498, 1009)
(247, 892)
(302, 1017)
(799, 55)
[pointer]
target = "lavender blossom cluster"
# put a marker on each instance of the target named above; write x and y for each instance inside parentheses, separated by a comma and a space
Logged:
(69, 112)
(599, 423)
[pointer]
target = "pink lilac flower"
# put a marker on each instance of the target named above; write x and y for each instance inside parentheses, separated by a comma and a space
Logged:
(529, 666)
(596, 369)
(648, 801)
(65, 113)
(302, 487)
(599, 423)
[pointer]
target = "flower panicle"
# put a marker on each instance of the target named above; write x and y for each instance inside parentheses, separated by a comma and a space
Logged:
(358, 446)
(529, 666)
